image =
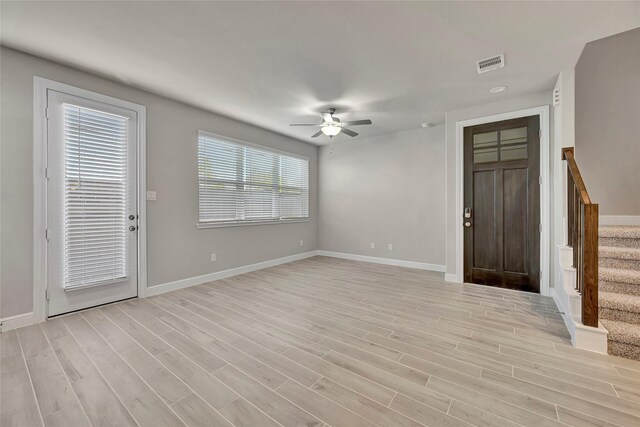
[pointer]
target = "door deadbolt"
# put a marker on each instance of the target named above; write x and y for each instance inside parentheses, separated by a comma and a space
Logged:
(132, 217)
(132, 228)
(467, 224)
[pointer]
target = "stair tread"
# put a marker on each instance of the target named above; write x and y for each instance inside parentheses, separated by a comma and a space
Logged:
(619, 275)
(622, 332)
(619, 252)
(621, 302)
(619, 231)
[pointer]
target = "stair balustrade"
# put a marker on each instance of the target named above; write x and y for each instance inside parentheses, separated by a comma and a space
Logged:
(582, 219)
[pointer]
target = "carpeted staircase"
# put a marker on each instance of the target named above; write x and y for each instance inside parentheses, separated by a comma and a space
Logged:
(619, 288)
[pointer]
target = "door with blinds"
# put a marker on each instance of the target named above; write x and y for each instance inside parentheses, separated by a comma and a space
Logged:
(91, 203)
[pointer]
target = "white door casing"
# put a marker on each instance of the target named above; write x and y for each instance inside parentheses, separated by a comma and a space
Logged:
(91, 189)
(49, 274)
(543, 113)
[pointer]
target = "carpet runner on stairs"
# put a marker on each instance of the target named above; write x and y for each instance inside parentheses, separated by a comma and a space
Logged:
(619, 288)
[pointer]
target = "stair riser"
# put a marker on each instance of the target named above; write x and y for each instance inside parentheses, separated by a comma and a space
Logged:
(619, 288)
(627, 264)
(624, 350)
(619, 316)
(619, 243)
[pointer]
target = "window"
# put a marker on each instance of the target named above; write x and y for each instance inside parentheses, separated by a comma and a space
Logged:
(511, 144)
(243, 184)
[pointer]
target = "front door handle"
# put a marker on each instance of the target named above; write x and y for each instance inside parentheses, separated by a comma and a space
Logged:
(132, 228)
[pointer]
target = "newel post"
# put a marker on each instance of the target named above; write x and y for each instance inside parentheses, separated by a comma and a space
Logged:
(590, 260)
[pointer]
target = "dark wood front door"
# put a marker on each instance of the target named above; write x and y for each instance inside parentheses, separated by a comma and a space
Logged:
(502, 204)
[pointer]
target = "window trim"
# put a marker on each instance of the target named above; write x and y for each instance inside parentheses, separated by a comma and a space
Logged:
(236, 223)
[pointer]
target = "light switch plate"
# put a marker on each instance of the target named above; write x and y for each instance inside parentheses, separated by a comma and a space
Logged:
(151, 195)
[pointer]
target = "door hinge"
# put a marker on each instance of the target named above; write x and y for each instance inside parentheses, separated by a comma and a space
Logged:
(46, 173)
(46, 234)
(46, 294)
(46, 113)
(539, 228)
(540, 180)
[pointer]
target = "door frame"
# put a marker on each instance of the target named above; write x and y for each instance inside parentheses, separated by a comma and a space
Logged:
(543, 113)
(40, 163)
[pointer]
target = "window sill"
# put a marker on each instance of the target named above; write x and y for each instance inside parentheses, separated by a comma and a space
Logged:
(202, 225)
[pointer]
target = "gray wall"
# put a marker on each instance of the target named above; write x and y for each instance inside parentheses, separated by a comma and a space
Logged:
(608, 122)
(176, 249)
(386, 189)
(452, 117)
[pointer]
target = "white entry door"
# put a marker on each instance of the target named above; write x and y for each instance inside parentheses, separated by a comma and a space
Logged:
(91, 203)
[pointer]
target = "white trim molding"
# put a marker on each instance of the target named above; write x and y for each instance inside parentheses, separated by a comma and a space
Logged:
(620, 220)
(40, 88)
(15, 322)
(198, 280)
(584, 337)
(543, 113)
(569, 303)
(387, 261)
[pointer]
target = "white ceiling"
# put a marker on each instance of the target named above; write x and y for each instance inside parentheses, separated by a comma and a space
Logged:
(273, 63)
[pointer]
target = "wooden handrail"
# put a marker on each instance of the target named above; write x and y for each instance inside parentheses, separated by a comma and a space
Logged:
(582, 236)
(572, 166)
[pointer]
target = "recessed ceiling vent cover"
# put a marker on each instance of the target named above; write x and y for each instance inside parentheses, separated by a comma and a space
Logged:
(490, 64)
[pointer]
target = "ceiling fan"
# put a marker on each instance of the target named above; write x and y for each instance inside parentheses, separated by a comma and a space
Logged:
(331, 126)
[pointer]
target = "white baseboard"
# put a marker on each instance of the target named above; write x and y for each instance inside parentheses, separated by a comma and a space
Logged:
(620, 220)
(15, 322)
(453, 278)
(387, 261)
(198, 280)
(584, 337)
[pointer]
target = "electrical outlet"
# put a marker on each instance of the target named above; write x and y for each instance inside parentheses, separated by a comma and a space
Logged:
(214, 257)
(301, 242)
(390, 247)
(373, 245)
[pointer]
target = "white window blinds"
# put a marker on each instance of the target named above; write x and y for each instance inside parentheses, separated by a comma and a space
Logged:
(240, 183)
(95, 197)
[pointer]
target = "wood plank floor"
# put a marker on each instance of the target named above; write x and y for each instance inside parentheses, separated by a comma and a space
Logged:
(315, 342)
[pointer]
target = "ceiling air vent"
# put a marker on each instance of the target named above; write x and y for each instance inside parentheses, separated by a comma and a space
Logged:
(490, 64)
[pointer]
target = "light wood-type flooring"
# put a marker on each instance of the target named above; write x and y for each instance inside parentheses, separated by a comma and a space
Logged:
(315, 342)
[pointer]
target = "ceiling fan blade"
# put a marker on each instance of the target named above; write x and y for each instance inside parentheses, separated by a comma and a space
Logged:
(357, 122)
(316, 134)
(349, 132)
(304, 124)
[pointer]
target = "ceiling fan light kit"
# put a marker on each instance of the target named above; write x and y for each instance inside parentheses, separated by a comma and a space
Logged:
(331, 130)
(331, 126)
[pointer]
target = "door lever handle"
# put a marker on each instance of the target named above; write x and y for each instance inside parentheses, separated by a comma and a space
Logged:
(132, 228)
